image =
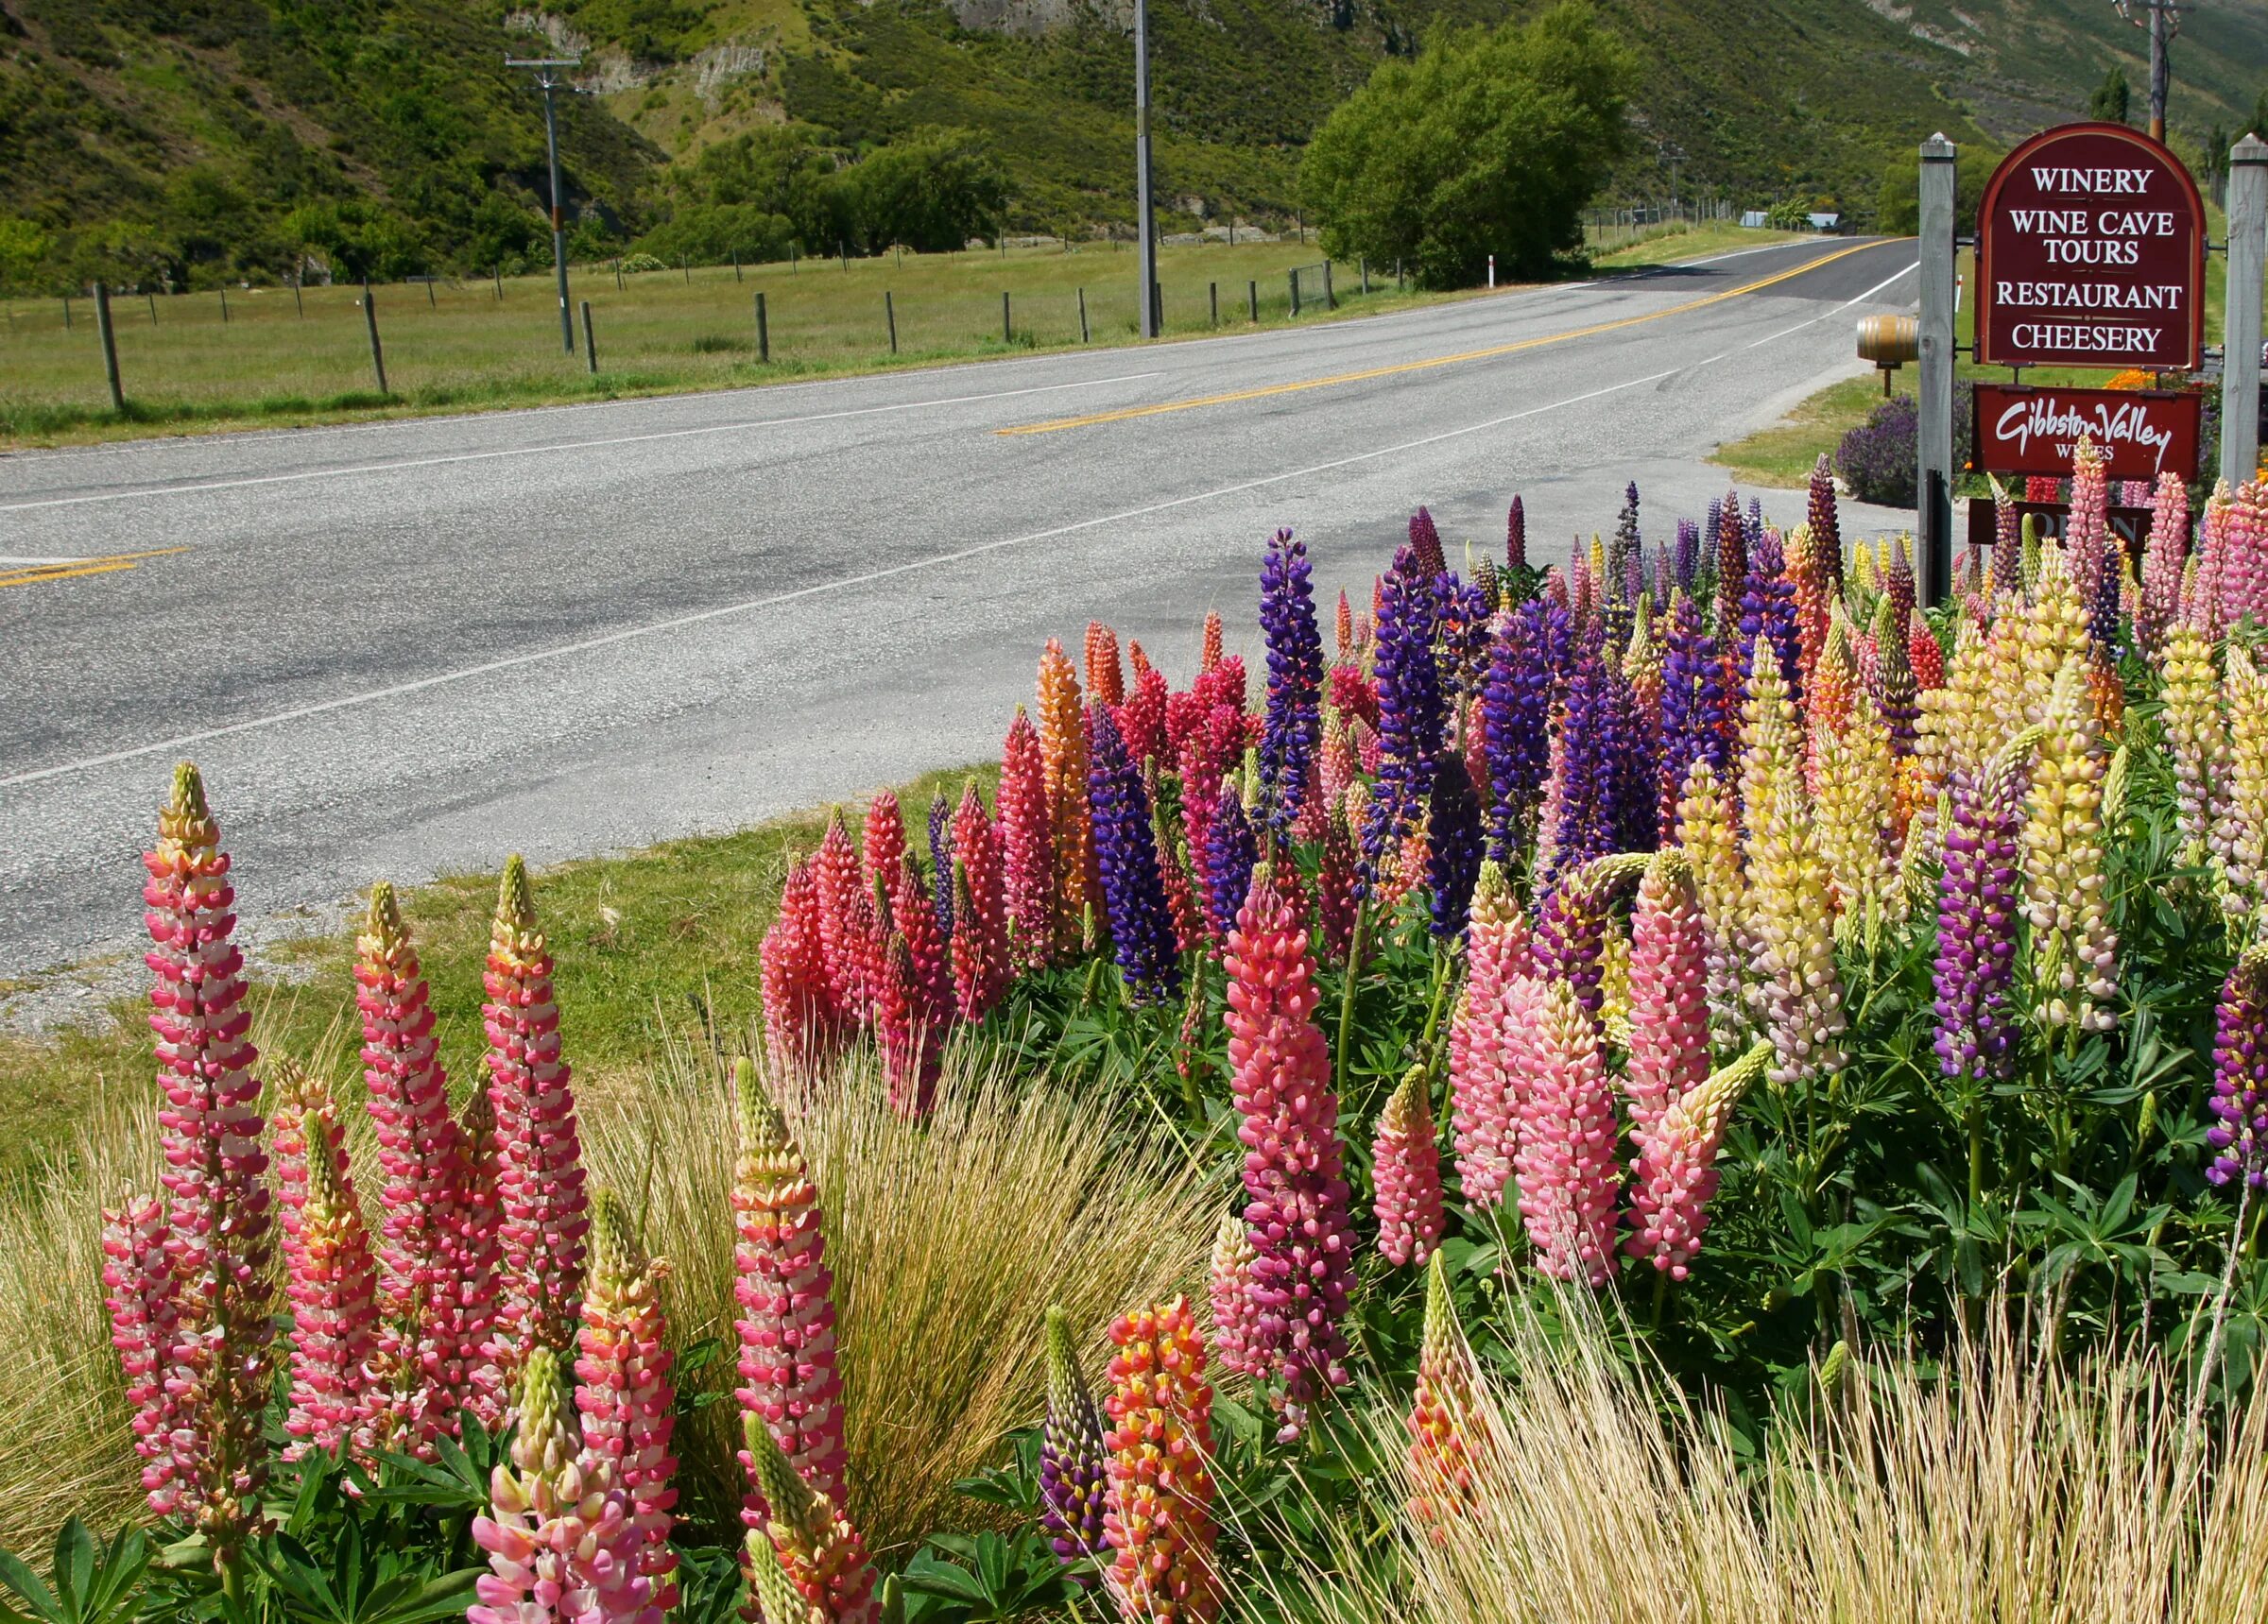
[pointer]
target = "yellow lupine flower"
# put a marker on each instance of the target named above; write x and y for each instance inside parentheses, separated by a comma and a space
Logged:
(1854, 813)
(2074, 953)
(2196, 732)
(1711, 845)
(2242, 839)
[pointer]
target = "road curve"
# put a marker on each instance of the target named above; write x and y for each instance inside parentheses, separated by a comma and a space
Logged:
(403, 649)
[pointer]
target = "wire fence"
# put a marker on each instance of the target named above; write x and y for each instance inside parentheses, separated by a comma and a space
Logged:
(1609, 226)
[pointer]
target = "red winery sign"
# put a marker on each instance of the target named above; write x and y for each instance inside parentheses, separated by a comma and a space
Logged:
(2090, 252)
(2140, 433)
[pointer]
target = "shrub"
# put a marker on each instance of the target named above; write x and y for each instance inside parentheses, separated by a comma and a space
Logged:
(1877, 459)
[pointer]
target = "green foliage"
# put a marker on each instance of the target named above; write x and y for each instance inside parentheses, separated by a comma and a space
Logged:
(88, 1583)
(1489, 142)
(1898, 206)
(712, 233)
(2111, 98)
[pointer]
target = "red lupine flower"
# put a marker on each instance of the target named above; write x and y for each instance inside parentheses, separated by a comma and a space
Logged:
(883, 840)
(1141, 718)
(1209, 652)
(788, 1362)
(1026, 846)
(540, 1157)
(799, 1023)
(1106, 682)
(980, 936)
(843, 944)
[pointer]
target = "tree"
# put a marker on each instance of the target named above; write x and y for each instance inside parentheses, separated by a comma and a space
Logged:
(2111, 99)
(1489, 142)
(1898, 207)
(932, 191)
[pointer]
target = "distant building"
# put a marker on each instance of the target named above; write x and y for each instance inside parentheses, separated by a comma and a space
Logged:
(1754, 220)
(1823, 222)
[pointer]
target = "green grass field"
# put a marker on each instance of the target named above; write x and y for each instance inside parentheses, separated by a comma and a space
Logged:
(281, 358)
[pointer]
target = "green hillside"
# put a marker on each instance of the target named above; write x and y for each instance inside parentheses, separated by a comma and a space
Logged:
(201, 141)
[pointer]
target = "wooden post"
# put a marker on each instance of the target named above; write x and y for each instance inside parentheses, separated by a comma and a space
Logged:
(110, 345)
(889, 313)
(1252, 299)
(224, 307)
(618, 275)
(430, 302)
(499, 270)
(370, 316)
(1366, 265)
(1008, 330)
(1293, 278)
(66, 313)
(153, 307)
(1212, 291)
(1083, 337)
(1933, 449)
(2240, 353)
(1329, 301)
(763, 330)
(686, 265)
(589, 343)
(299, 300)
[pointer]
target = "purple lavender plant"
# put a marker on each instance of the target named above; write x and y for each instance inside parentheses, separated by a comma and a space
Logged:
(1295, 717)
(1516, 719)
(1768, 608)
(1230, 851)
(1452, 847)
(1978, 894)
(2241, 1074)
(1411, 708)
(1070, 1457)
(1141, 926)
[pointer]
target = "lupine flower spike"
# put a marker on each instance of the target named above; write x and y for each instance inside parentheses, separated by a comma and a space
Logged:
(622, 1389)
(1978, 897)
(1063, 757)
(1026, 846)
(1235, 1318)
(2239, 1137)
(1442, 1421)
(1480, 1081)
(1406, 1168)
(1676, 1175)
(1297, 1210)
(821, 1553)
(1158, 1517)
(787, 1362)
(214, 1235)
(560, 1540)
(1566, 1159)
(143, 1299)
(332, 1280)
(2074, 953)
(1141, 926)
(1668, 991)
(1293, 721)
(428, 1367)
(540, 1171)
(1071, 1457)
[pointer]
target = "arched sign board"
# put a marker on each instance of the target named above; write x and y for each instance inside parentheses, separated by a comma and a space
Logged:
(2090, 252)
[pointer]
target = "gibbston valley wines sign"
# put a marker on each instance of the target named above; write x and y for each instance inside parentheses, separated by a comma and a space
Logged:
(2090, 252)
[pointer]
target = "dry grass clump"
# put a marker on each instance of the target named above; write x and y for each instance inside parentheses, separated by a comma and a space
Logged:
(1991, 1489)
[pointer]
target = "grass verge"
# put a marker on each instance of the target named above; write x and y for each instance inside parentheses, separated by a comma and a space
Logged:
(1783, 454)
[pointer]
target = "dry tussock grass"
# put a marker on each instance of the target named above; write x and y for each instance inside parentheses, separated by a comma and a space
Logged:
(1992, 1490)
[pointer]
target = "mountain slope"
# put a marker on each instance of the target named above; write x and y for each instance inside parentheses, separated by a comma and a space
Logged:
(210, 139)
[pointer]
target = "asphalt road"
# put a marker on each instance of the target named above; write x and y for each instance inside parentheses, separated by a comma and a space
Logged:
(404, 649)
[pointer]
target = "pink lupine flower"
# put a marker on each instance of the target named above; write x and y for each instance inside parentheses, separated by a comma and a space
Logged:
(563, 1547)
(215, 1232)
(1141, 718)
(422, 1347)
(479, 1253)
(883, 842)
(841, 891)
(1200, 798)
(1675, 1171)
(2245, 558)
(1028, 858)
(1297, 1214)
(980, 932)
(1406, 1168)
(623, 1391)
(1442, 1423)
(1566, 1159)
(788, 1364)
(144, 1304)
(540, 1157)
(800, 1022)
(930, 959)
(1668, 991)
(332, 1279)
(1235, 1320)
(2165, 554)
(1480, 1067)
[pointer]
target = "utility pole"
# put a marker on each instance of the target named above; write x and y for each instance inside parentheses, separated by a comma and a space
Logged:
(1146, 220)
(2163, 19)
(548, 81)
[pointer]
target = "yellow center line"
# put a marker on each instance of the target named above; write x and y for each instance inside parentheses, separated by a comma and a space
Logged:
(1428, 363)
(71, 568)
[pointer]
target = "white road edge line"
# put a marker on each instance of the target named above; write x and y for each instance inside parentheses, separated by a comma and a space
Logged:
(678, 622)
(549, 447)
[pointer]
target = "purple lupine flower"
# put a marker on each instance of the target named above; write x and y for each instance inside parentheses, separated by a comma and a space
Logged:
(1687, 560)
(1897, 583)
(1231, 851)
(2007, 546)
(1125, 851)
(1585, 828)
(1294, 716)
(1412, 710)
(940, 864)
(1978, 893)
(1826, 520)
(1571, 941)
(1624, 550)
(1695, 709)
(1753, 527)
(1461, 613)
(1516, 719)
(1732, 563)
(1516, 537)
(2241, 1074)
(1452, 847)
(1895, 689)
(1425, 538)
(1666, 574)
(1634, 763)
(1071, 1457)
(1768, 608)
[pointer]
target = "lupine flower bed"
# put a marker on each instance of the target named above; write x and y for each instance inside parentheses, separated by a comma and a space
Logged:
(1700, 950)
